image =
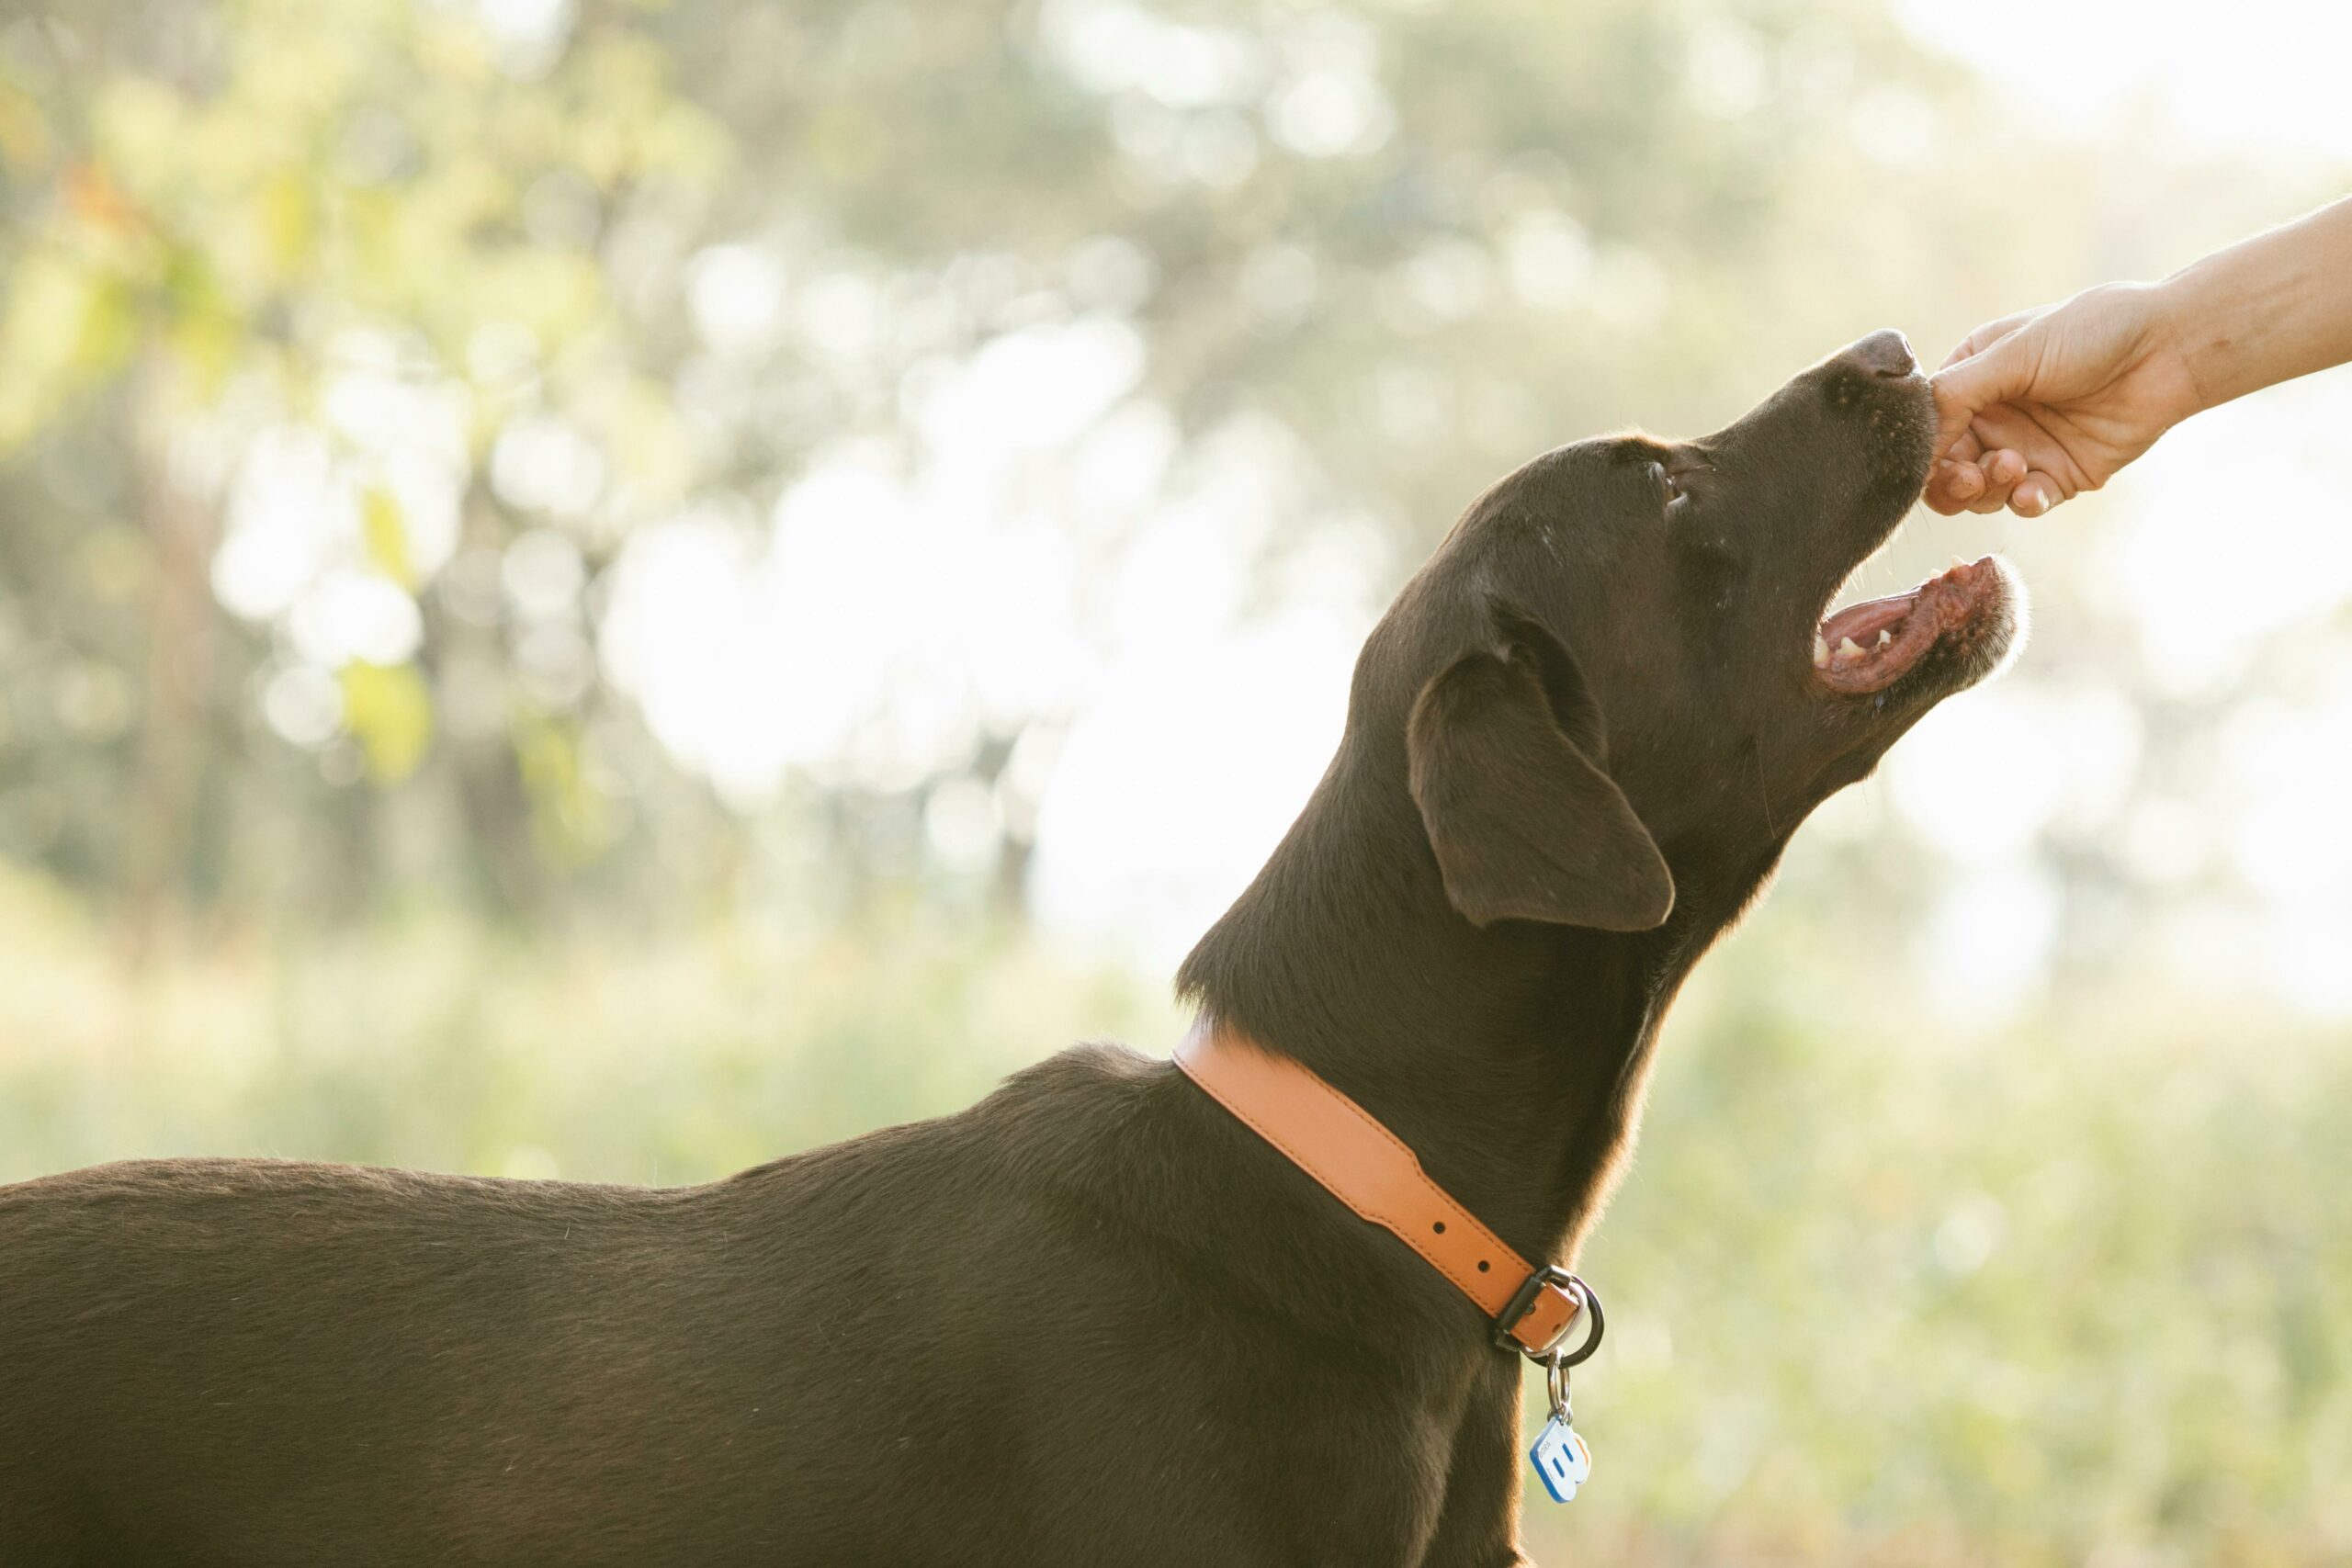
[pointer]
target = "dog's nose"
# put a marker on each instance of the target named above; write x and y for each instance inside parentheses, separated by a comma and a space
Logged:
(1886, 354)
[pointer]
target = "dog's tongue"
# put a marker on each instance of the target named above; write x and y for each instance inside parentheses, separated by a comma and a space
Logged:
(1866, 647)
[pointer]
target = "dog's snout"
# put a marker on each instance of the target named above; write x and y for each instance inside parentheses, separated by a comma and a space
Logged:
(1886, 354)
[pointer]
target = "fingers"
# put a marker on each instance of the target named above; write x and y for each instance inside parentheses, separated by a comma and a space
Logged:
(1952, 415)
(1979, 392)
(2004, 470)
(1996, 480)
(2036, 494)
(1962, 390)
(1991, 481)
(1985, 336)
(1955, 478)
(1987, 367)
(1952, 486)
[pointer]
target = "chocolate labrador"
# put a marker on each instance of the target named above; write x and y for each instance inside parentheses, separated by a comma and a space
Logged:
(1092, 1319)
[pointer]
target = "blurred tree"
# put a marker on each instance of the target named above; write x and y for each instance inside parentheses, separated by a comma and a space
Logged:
(347, 348)
(254, 247)
(284, 237)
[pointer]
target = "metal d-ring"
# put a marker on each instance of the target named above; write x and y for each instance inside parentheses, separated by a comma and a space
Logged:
(1558, 1362)
(1590, 1301)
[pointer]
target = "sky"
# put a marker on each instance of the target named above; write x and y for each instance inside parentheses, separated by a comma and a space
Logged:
(2254, 74)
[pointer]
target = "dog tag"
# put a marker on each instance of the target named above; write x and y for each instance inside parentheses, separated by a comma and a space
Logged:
(1561, 1459)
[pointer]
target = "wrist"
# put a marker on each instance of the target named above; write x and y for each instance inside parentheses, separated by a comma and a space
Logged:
(2201, 321)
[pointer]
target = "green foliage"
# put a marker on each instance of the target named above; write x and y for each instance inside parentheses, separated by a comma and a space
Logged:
(387, 540)
(1535, 225)
(2016, 1298)
(387, 710)
(1878, 1295)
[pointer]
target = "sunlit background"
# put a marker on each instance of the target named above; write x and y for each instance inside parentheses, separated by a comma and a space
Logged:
(615, 587)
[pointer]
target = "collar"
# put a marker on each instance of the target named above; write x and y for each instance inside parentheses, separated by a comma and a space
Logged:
(1373, 1172)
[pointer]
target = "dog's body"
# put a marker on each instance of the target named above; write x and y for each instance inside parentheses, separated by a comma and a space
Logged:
(1092, 1319)
(1043, 1330)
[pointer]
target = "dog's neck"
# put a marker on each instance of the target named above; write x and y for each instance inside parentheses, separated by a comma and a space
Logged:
(1512, 1059)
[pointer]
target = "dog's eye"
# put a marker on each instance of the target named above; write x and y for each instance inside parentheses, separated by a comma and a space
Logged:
(1673, 485)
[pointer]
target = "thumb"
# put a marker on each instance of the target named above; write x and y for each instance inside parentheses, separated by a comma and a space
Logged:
(1991, 365)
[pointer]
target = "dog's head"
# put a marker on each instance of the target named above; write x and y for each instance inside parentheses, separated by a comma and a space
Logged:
(1614, 687)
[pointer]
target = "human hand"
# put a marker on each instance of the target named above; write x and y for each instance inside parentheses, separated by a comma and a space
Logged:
(2035, 408)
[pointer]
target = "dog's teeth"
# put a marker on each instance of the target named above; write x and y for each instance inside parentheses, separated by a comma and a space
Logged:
(1849, 649)
(1885, 637)
(1820, 651)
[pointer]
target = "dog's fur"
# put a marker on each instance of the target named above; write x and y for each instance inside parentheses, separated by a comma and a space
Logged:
(1091, 1320)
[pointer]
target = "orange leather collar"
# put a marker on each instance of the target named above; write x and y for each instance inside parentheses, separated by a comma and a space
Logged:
(1372, 1171)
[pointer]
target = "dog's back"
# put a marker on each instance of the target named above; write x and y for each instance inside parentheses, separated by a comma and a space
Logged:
(199, 1357)
(273, 1343)
(267, 1362)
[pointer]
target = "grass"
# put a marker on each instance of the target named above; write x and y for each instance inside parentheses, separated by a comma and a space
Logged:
(2076, 1289)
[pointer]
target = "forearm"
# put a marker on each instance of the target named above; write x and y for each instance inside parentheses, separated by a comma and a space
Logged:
(2268, 309)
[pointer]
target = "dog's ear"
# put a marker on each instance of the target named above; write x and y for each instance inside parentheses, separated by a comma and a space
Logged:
(1502, 746)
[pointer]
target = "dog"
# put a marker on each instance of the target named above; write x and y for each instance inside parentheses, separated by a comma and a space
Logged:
(1092, 1319)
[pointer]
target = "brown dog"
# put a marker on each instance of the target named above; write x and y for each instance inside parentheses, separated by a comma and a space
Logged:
(1091, 1320)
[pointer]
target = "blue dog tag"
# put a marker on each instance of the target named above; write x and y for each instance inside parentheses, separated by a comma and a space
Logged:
(1561, 1459)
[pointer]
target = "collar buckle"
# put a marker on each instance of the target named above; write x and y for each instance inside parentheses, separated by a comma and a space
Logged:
(1550, 1276)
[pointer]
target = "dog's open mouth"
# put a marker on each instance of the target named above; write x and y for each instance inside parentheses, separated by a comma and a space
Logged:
(1968, 609)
